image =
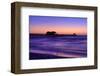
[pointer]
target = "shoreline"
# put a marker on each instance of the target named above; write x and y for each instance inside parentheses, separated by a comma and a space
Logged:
(35, 56)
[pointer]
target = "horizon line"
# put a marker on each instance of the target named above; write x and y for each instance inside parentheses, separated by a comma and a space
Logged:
(57, 34)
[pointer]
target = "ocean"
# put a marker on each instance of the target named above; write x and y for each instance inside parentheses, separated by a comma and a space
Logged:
(56, 47)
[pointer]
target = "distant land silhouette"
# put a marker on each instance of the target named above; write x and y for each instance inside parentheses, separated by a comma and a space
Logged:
(52, 33)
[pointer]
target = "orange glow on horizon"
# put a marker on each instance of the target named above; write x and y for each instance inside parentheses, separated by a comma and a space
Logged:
(59, 30)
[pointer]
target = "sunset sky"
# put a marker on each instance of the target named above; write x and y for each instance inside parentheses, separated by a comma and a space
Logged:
(62, 25)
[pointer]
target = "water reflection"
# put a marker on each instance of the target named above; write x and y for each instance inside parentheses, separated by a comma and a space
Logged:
(47, 47)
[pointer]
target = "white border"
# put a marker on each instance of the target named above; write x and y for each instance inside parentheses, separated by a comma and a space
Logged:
(35, 64)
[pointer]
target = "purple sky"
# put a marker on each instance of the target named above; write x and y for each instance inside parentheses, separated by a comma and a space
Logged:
(62, 25)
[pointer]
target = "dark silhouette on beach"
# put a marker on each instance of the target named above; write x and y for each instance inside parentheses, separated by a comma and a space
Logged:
(50, 33)
(54, 33)
(74, 34)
